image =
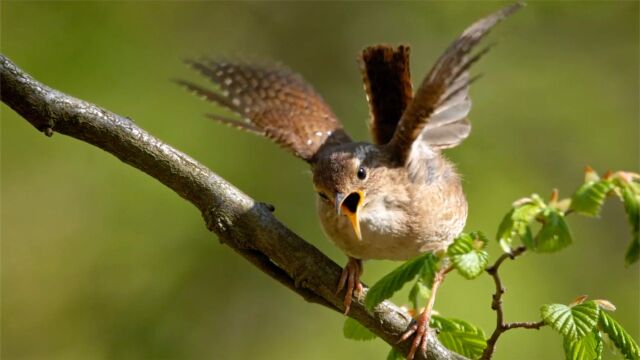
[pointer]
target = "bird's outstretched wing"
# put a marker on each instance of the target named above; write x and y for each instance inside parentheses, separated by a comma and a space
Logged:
(437, 116)
(272, 101)
(387, 83)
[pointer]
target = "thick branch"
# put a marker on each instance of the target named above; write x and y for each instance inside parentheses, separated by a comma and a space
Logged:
(496, 304)
(245, 225)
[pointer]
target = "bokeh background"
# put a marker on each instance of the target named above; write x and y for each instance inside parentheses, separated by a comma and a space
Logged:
(99, 261)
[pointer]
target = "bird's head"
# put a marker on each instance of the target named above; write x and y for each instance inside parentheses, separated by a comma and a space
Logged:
(347, 177)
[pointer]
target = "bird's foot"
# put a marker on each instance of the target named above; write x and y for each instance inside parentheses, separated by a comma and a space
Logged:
(421, 327)
(421, 330)
(350, 279)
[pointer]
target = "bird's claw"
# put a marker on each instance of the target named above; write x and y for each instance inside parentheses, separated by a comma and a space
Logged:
(350, 279)
(407, 334)
(421, 331)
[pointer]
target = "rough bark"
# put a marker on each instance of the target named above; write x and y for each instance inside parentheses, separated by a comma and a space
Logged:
(247, 226)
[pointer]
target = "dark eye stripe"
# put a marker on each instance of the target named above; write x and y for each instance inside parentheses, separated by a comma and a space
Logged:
(323, 196)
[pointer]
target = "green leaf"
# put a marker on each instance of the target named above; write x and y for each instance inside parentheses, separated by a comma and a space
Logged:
(422, 287)
(527, 238)
(468, 256)
(572, 322)
(419, 291)
(588, 199)
(631, 200)
(394, 355)
(504, 235)
(554, 234)
(353, 330)
(480, 236)
(587, 348)
(429, 269)
(459, 336)
(392, 282)
(516, 224)
(619, 336)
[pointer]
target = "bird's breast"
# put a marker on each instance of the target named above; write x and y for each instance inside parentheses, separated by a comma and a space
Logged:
(397, 230)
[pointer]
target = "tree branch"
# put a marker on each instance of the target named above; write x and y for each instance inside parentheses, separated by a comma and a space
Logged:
(240, 222)
(496, 304)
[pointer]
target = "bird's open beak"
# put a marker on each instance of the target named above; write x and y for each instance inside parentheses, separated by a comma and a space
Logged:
(349, 206)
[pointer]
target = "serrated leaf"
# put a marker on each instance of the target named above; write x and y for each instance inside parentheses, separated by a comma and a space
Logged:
(588, 199)
(554, 234)
(467, 255)
(516, 224)
(464, 243)
(459, 336)
(472, 264)
(572, 322)
(631, 203)
(353, 330)
(619, 336)
(394, 355)
(392, 282)
(480, 236)
(587, 348)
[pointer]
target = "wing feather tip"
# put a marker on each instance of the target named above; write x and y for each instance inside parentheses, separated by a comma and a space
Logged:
(445, 73)
(246, 126)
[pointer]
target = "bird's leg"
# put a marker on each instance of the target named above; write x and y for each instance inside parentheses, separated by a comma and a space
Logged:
(350, 279)
(421, 327)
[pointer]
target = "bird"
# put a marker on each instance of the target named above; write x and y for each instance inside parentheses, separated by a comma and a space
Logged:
(394, 198)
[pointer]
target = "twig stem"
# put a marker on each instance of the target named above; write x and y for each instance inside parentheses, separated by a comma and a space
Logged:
(496, 304)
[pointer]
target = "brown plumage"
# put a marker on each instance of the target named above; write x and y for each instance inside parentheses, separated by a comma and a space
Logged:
(444, 88)
(394, 199)
(387, 83)
(272, 101)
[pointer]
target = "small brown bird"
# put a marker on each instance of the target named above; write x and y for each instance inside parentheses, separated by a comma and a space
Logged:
(394, 199)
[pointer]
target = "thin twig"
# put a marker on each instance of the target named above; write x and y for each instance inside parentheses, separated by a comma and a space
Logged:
(524, 325)
(496, 304)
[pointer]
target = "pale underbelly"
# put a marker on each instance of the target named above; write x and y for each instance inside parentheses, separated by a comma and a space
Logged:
(380, 242)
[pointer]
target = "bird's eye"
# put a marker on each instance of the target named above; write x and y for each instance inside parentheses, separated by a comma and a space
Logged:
(362, 173)
(323, 196)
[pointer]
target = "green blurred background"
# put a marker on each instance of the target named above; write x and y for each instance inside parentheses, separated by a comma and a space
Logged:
(99, 261)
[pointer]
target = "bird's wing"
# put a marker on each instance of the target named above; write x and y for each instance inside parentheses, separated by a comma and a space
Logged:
(387, 83)
(272, 101)
(437, 116)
